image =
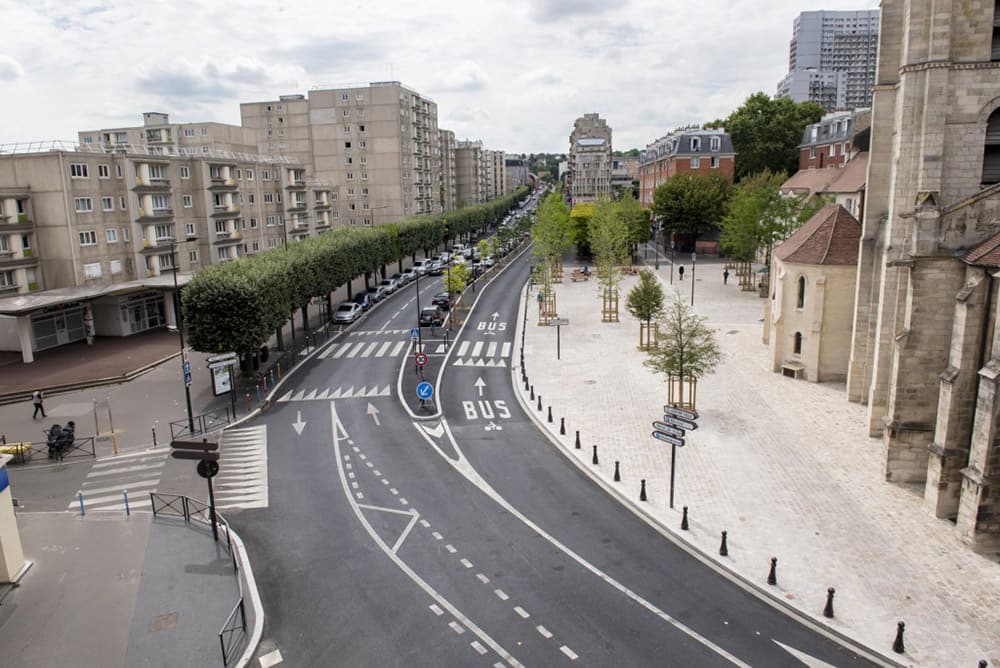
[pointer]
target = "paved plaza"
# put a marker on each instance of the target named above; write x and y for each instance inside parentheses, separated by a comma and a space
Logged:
(784, 466)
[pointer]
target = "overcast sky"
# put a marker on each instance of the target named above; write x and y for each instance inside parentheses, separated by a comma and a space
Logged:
(514, 74)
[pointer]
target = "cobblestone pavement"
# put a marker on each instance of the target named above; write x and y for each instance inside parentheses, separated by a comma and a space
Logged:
(784, 466)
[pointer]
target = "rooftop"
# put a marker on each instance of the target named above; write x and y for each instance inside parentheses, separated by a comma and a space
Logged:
(830, 237)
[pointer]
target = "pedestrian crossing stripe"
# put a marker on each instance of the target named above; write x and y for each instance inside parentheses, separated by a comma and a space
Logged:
(480, 362)
(137, 473)
(339, 393)
(355, 349)
(478, 346)
(371, 332)
(242, 479)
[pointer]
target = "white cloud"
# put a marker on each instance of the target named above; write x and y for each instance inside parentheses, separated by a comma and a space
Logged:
(10, 69)
(466, 77)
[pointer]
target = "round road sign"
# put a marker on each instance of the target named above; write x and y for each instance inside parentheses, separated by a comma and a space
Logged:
(420, 359)
(207, 469)
(425, 390)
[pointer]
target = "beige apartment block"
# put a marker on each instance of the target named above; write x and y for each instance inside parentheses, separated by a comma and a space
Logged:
(496, 174)
(376, 145)
(925, 369)
(449, 192)
(471, 184)
(589, 170)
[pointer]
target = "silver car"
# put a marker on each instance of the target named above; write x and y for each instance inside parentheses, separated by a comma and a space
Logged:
(347, 312)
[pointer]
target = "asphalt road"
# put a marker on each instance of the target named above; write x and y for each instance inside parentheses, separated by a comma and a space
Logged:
(454, 534)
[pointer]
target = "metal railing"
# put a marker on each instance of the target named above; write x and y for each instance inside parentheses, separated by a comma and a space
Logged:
(234, 632)
(202, 424)
(26, 453)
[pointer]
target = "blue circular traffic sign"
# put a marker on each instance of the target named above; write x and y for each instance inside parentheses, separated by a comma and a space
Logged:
(425, 390)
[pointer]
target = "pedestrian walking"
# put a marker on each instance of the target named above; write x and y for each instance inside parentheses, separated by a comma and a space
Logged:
(37, 398)
(725, 276)
(680, 271)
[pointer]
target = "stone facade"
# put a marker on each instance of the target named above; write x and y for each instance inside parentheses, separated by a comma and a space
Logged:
(917, 303)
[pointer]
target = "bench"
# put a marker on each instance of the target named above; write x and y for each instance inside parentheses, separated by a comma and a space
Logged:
(579, 276)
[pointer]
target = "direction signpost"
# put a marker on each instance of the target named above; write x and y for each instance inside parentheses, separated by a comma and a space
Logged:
(207, 454)
(676, 423)
(558, 324)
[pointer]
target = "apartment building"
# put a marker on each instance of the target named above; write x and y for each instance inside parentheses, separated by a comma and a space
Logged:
(589, 171)
(376, 145)
(449, 192)
(516, 173)
(685, 151)
(832, 58)
(471, 182)
(835, 139)
(97, 231)
(496, 174)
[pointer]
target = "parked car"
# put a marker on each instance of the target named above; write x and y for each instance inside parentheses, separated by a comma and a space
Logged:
(377, 293)
(442, 299)
(444, 259)
(410, 274)
(401, 278)
(347, 312)
(421, 266)
(364, 300)
(488, 261)
(431, 316)
(458, 249)
(389, 284)
(435, 268)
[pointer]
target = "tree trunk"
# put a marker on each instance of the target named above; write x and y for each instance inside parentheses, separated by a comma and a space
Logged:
(281, 341)
(305, 318)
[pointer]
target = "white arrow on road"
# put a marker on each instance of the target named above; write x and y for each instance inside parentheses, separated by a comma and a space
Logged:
(299, 424)
(479, 385)
(807, 659)
(495, 315)
(374, 413)
(436, 431)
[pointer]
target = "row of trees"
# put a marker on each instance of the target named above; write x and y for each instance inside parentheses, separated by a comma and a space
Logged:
(236, 306)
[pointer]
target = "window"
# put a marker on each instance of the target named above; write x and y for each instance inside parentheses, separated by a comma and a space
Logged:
(116, 267)
(800, 299)
(164, 231)
(344, 97)
(269, 221)
(995, 50)
(365, 206)
(121, 202)
(118, 171)
(347, 112)
(204, 132)
(111, 236)
(92, 270)
(189, 229)
(83, 204)
(192, 256)
(364, 191)
(352, 206)
(88, 238)
(188, 201)
(221, 227)
(715, 143)
(107, 204)
(161, 203)
(205, 149)
(249, 175)
(360, 112)
(347, 144)
(991, 149)
(350, 192)
(225, 253)
(252, 199)
(253, 223)
(268, 198)
(350, 160)
(256, 246)
(347, 129)
(272, 243)
(362, 144)
(265, 175)
(715, 162)
(239, 173)
(797, 344)
(78, 170)
(350, 176)
(812, 152)
(240, 198)
(189, 132)
(103, 172)
(165, 261)
(695, 163)
(364, 176)
(833, 148)
(361, 128)
(125, 234)
(277, 197)
(695, 144)
(7, 279)
(185, 172)
(364, 160)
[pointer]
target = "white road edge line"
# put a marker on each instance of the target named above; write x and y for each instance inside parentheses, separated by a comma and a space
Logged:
(337, 430)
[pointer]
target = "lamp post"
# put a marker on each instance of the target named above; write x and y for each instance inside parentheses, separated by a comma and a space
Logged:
(671, 259)
(694, 265)
(416, 282)
(185, 363)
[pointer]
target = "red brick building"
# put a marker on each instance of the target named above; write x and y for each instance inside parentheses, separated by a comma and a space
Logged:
(686, 151)
(832, 141)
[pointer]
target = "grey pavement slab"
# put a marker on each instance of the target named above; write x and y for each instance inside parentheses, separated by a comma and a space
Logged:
(74, 606)
(785, 466)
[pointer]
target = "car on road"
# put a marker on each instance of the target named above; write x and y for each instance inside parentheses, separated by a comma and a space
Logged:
(377, 293)
(442, 299)
(389, 285)
(347, 312)
(410, 274)
(364, 300)
(401, 278)
(435, 268)
(488, 261)
(431, 316)
(445, 258)
(421, 266)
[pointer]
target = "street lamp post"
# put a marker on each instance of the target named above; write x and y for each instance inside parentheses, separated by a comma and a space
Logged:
(671, 260)
(694, 264)
(416, 282)
(185, 363)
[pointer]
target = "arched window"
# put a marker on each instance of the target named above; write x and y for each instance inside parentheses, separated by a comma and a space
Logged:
(797, 344)
(800, 299)
(991, 150)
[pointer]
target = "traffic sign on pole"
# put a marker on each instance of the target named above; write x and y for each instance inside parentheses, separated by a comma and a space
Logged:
(673, 440)
(193, 444)
(202, 455)
(208, 468)
(425, 390)
(673, 431)
(420, 359)
(414, 333)
(682, 424)
(681, 413)
(222, 358)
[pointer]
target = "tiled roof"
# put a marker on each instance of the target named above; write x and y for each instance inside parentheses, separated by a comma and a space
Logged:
(811, 181)
(853, 176)
(830, 237)
(986, 254)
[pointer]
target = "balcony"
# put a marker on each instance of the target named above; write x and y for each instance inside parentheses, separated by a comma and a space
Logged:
(217, 183)
(154, 214)
(151, 184)
(224, 211)
(320, 205)
(296, 205)
(295, 185)
(19, 223)
(227, 238)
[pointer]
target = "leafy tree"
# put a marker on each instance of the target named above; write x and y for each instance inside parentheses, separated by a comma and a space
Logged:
(690, 203)
(609, 242)
(687, 350)
(766, 133)
(636, 219)
(456, 278)
(484, 247)
(645, 302)
(579, 223)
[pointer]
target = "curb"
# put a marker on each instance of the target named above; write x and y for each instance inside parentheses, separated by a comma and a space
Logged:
(258, 609)
(670, 534)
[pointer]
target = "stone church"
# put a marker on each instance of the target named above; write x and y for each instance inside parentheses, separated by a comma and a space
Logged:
(924, 352)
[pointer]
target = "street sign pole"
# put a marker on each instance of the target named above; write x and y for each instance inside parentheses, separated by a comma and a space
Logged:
(232, 390)
(211, 508)
(673, 468)
(694, 265)
(558, 342)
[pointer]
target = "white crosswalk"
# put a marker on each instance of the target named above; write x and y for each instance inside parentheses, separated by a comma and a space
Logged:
(242, 479)
(138, 473)
(354, 349)
(340, 393)
(376, 332)
(482, 353)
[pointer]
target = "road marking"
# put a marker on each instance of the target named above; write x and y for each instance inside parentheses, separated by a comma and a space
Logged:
(326, 353)
(398, 347)
(384, 481)
(545, 633)
(357, 349)
(385, 347)
(351, 473)
(462, 465)
(395, 492)
(476, 645)
(568, 652)
(476, 349)
(111, 459)
(359, 495)
(450, 548)
(505, 349)
(491, 349)
(343, 349)
(521, 611)
(457, 628)
(435, 609)
(271, 659)
(136, 485)
(466, 563)
(377, 473)
(355, 485)
(807, 659)
(500, 594)
(404, 501)
(338, 433)
(127, 469)
(360, 456)
(425, 524)
(462, 348)
(369, 464)
(483, 578)
(369, 349)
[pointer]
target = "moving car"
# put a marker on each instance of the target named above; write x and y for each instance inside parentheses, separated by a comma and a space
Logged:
(347, 312)
(389, 285)
(431, 316)
(442, 299)
(364, 300)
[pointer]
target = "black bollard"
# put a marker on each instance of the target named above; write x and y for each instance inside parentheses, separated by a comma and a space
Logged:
(594, 461)
(532, 392)
(550, 414)
(724, 548)
(983, 663)
(154, 437)
(684, 519)
(642, 490)
(577, 439)
(539, 402)
(828, 609)
(618, 473)
(525, 382)
(897, 644)
(562, 426)
(772, 577)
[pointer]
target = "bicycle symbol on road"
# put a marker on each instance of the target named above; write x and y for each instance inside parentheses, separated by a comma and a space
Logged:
(493, 426)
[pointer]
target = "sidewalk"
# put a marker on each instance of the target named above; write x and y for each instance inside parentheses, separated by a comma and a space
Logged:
(784, 466)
